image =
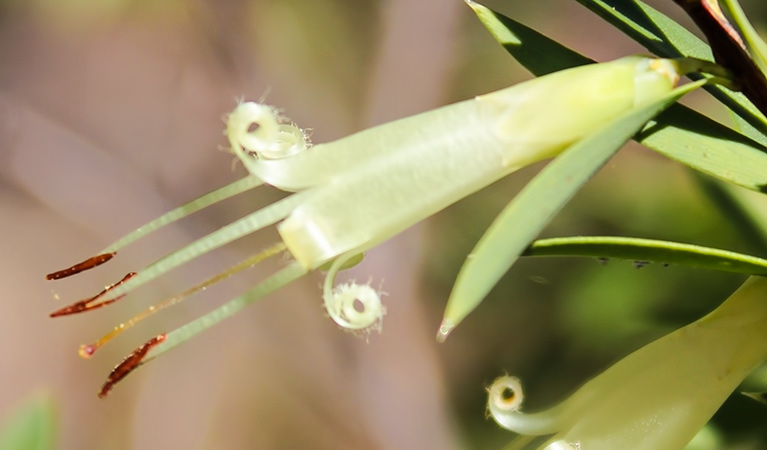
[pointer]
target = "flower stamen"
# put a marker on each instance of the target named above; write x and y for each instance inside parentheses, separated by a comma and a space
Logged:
(86, 351)
(88, 305)
(88, 264)
(129, 364)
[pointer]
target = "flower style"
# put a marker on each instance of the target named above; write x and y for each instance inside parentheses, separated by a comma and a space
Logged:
(354, 193)
(658, 397)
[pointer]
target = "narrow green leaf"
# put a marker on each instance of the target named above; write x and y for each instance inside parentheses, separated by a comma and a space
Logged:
(746, 129)
(651, 28)
(32, 426)
(705, 145)
(649, 250)
(539, 54)
(522, 219)
(679, 132)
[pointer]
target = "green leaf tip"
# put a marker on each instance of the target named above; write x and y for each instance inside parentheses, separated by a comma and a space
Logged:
(494, 24)
(760, 397)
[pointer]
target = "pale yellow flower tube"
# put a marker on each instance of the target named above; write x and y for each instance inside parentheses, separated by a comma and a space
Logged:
(371, 185)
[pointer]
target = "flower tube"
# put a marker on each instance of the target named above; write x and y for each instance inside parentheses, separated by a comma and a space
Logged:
(374, 184)
(658, 397)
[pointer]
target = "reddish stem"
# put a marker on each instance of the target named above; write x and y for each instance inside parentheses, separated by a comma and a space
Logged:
(728, 49)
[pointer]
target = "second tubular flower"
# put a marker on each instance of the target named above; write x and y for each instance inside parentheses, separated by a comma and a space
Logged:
(658, 397)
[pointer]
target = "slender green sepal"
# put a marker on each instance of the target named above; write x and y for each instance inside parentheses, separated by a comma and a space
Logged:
(238, 187)
(182, 334)
(251, 223)
(87, 350)
(649, 250)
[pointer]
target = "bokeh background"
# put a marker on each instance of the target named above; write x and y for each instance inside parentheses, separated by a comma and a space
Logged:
(111, 113)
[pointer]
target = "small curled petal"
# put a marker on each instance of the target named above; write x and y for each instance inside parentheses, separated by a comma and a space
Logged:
(252, 126)
(504, 403)
(505, 394)
(352, 306)
(290, 141)
(356, 306)
(258, 129)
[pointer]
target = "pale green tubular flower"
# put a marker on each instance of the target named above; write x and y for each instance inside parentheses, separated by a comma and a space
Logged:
(356, 192)
(395, 175)
(658, 397)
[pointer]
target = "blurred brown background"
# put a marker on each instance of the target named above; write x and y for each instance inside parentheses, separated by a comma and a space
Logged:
(111, 113)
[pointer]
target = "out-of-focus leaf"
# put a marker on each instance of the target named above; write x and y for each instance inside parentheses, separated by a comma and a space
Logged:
(32, 426)
(750, 226)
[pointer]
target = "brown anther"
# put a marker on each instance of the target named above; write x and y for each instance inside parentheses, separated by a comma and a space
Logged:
(87, 304)
(88, 264)
(129, 364)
